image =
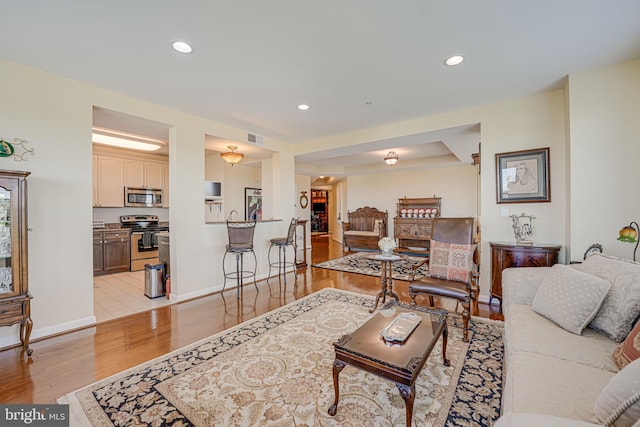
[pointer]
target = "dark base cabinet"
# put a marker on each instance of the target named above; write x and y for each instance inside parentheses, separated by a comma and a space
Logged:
(111, 252)
(505, 255)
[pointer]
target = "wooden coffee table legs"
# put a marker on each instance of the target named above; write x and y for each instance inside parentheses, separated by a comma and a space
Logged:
(338, 365)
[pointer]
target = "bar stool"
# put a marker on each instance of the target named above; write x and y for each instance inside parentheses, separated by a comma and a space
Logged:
(240, 242)
(281, 243)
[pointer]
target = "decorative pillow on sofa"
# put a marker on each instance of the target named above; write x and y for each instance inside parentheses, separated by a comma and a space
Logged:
(621, 307)
(629, 350)
(450, 261)
(570, 297)
(619, 402)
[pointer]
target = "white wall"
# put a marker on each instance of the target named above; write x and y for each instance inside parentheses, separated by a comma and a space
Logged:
(604, 110)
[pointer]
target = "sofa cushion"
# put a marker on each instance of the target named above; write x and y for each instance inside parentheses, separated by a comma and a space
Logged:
(570, 298)
(629, 350)
(527, 331)
(622, 305)
(619, 401)
(451, 261)
(547, 385)
(519, 285)
(537, 420)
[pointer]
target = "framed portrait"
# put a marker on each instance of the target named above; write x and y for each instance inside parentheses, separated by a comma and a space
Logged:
(252, 204)
(523, 176)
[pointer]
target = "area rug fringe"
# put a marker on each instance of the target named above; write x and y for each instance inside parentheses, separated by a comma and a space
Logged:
(226, 375)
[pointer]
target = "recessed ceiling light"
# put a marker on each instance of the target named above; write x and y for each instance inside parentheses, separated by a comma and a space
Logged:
(182, 47)
(303, 107)
(454, 60)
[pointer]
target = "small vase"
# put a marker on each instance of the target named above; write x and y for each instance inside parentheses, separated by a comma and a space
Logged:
(388, 253)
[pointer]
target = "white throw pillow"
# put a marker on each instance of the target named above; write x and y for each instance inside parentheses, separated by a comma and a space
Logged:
(621, 307)
(570, 297)
(619, 402)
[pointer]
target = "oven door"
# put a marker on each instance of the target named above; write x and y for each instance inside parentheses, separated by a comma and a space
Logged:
(143, 197)
(139, 255)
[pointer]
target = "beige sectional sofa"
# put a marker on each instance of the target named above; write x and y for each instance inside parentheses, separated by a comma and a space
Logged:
(554, 377)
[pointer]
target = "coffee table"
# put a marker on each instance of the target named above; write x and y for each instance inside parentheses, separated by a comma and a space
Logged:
(397, 362)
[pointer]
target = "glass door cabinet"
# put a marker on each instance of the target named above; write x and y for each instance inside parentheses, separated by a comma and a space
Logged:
(15, 299)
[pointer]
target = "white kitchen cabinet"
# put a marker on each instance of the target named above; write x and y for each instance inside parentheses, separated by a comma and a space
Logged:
(109, 182)
(153, 175)
(134, 173)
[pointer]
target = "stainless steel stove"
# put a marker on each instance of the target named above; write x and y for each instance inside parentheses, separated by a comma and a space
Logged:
(144, 239)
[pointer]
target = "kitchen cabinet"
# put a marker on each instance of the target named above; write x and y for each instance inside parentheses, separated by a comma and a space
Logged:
(414, 221)
(143, 174)
(108, 181)
(111, 251)
(111, 173)
(505, 255)
(15, 299)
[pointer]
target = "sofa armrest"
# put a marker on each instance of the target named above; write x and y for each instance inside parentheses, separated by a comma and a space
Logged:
(519, 285)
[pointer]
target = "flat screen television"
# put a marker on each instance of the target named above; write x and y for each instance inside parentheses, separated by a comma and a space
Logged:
(319, 207)
(212, 190)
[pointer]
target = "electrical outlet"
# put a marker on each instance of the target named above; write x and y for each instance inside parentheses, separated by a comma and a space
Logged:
(504, 211)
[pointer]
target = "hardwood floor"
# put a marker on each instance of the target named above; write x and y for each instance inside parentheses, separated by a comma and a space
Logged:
(67, 362)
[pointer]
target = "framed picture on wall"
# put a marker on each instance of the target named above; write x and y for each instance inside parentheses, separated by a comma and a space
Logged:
(252, 204)
(523, 176)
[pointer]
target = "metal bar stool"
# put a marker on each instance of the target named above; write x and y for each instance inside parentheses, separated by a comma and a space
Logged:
(281, 243)
(240, 242)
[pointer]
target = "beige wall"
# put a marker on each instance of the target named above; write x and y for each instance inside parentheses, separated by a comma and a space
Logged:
(55, 115)
(604, 106)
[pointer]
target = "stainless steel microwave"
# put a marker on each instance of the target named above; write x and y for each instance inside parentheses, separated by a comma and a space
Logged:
(143, 197)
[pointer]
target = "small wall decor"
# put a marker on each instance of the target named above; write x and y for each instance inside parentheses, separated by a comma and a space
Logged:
(523, 176)
(7, 149)
(304, 200)
(523, 228)
(253, 204)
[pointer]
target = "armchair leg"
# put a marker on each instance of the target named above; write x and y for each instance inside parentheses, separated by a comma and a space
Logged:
(466, 314)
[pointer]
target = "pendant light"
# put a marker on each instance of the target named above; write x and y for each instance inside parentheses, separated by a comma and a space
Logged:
(392, 158)
(232, 156)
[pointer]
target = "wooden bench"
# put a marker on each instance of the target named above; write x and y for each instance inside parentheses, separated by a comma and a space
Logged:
(365, 228)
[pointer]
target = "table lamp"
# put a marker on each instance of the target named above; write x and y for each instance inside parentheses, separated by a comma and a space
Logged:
(629, 234)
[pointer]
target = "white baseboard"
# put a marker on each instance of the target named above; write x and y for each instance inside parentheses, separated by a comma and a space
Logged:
(38, 333)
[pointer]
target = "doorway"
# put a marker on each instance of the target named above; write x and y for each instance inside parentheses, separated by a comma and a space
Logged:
(319, 211)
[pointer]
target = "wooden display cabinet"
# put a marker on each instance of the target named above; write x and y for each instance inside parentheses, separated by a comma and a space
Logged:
(15, 299)
(414, 221)
(319, 210)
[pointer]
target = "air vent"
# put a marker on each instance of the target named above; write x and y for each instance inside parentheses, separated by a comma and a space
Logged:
(255, 139)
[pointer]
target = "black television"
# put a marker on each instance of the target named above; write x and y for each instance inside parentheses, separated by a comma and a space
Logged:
(319, 207)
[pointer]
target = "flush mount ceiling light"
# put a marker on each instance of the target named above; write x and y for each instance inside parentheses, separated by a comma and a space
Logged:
(392, 158)
(182, 47)
(125, 140)
(303, 107)
(454, 60)
(232, 157)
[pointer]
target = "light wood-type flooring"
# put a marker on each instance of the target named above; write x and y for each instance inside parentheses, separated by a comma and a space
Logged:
(70, 361)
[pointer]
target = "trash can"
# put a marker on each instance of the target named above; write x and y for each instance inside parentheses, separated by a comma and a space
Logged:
(154, 280)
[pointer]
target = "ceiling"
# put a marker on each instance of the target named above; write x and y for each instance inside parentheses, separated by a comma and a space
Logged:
(357, 64)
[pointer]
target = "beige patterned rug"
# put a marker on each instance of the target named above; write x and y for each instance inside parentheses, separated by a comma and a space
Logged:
(361, 264)
(276, 370)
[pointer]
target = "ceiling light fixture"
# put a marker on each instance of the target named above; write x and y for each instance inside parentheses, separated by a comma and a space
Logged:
(182, 47)
(303, 107)
(454, 60)
(392, 158)
(232, 156)
(125, 140)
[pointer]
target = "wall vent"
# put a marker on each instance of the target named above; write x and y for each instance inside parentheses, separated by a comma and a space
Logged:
(255, 139)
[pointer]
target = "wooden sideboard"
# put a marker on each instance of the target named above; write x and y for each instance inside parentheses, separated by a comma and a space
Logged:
(505, 255)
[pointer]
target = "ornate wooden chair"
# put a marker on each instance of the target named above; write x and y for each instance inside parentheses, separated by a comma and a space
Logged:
(452, 261)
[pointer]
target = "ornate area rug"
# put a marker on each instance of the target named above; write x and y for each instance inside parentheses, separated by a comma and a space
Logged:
(359, 263)
(276, 370)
